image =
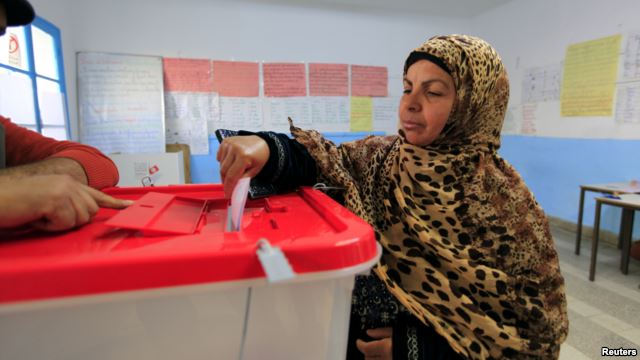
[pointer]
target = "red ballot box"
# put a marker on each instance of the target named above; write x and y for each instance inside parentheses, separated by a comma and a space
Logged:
(163, 279)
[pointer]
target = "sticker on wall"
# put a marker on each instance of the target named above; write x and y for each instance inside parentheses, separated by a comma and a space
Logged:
(15, 59)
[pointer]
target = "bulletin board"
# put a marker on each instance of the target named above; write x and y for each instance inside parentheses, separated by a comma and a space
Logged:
(133, 104)
(203, 95)
(593, 91)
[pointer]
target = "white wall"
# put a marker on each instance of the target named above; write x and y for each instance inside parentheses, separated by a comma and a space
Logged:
(227, 30)
(536, 33)
(530, 33)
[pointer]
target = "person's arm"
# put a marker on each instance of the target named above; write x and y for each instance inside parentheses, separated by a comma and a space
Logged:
(29, 153)
(289, 164)
(272, 158)
(50, 166)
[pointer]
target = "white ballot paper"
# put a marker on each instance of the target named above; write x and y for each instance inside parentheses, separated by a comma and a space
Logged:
(238, 201)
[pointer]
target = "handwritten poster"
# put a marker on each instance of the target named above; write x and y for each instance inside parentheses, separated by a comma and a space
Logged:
(628, 103)
(529, 119)
(236, 78)
(189, 108)
(121, 102)
(512, 121)
(631, 67)
(329, 110)
(385, 114)
(589, 77)
(329, 113)
(240, 113)
(277, 111)
(361, 114)
(215, 113)
(369, 80)
(187, 75)
(328, 79)
(284, 79)
(541, 83)
(188, 115)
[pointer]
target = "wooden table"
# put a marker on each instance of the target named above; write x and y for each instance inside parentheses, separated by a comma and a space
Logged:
(610, 188)
(629, 204)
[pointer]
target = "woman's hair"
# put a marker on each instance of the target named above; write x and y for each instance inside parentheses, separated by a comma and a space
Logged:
(415, 56)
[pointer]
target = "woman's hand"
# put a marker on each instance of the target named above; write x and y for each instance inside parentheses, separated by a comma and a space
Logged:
(241, 156)
(381, 348)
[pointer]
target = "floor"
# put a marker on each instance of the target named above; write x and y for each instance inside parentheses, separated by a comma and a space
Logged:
(602, 313)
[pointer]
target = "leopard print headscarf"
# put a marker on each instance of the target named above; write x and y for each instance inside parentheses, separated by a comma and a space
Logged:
(466, 248)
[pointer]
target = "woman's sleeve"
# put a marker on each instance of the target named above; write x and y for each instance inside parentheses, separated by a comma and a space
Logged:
(414, 340)
(289, 164)
(409, 339)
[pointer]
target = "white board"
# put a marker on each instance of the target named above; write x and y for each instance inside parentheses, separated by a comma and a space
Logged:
(121, 102)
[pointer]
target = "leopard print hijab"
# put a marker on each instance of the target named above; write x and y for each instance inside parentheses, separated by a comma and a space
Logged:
(466, 248)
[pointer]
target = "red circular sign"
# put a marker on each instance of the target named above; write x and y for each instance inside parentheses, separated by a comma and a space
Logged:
(13, 44)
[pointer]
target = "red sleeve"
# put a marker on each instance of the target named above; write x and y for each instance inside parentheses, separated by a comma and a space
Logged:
(24, 146)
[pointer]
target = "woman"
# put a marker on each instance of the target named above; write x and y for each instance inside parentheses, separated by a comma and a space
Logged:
(469, 269)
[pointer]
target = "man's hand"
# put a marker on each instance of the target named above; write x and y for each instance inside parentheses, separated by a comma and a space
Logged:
(51, 202)
(381, 348)
(241, 156)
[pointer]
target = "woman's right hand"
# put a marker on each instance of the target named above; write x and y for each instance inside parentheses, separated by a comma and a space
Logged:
(241, 156)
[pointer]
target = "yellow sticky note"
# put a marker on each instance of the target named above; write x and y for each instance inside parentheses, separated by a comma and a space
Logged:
(589, 77)
(361, 114)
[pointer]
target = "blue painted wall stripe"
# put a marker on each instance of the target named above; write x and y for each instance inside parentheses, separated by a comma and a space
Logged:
(554, 169)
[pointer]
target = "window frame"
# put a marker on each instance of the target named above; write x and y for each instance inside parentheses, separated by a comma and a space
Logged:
(54, 32)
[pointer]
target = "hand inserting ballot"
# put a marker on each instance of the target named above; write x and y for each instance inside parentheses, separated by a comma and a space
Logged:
(241, 156)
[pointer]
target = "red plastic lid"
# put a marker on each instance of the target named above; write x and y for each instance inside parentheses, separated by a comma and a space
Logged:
(315, 233)
(159, 213)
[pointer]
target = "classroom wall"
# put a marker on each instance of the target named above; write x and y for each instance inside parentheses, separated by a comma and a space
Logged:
(536, 33)
(237, 30)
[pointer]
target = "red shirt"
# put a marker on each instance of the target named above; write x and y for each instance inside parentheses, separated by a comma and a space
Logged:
(24, 146)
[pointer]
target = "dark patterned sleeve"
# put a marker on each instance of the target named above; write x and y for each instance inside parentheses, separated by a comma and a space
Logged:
(289, 164)
(413, 340)
(409, 340)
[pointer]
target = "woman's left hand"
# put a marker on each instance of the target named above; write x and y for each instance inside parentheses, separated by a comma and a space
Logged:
(380, 348)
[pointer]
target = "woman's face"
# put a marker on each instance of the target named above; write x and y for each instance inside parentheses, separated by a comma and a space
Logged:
(425, 106)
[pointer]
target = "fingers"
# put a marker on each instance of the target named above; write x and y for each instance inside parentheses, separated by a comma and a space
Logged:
(377, 349)
(68, 204)
(103, 200)
(241, 156)
(225, 164)
(380, 333)
(61, 218)
(372, 348)
(84, 206)
(236, 172)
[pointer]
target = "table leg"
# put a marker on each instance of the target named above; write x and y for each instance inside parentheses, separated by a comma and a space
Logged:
(623, 227)
(627, 215)
(594, 244)
(579, 229)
